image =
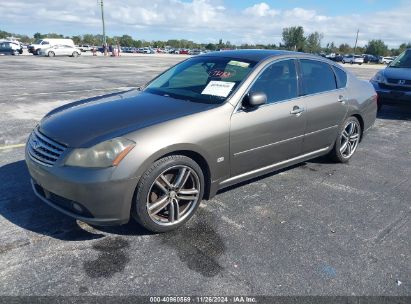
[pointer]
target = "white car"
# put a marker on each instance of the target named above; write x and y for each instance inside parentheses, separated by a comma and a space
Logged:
(60, 50)
(358, 59)
(46, 43)
(386, 60)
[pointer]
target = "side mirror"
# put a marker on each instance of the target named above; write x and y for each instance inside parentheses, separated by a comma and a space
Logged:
(254, 99)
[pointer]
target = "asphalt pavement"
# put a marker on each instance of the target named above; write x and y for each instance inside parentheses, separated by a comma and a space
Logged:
(317, 228)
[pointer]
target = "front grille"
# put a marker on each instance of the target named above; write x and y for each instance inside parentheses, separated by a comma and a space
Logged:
(395, 87)
(399, 81)
(43, 149)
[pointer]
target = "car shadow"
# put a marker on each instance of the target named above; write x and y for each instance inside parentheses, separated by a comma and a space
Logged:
(395, 112)
(20, 206)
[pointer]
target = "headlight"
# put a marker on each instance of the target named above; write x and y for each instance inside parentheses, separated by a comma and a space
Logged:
(106, 154)
(379, 77)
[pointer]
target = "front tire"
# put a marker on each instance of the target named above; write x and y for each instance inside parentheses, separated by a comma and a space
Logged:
(168, 194)
(51, 54)
(75, 54)
(347, 140)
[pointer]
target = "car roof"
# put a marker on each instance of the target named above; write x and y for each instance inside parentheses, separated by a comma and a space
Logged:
(254, 55)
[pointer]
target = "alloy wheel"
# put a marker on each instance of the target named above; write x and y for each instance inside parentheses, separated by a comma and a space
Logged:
(173, 195)
(350, 138)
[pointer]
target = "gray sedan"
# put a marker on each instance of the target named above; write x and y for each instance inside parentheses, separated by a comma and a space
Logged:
(207, 123)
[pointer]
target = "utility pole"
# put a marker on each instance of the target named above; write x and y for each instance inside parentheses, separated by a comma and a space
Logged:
(104, 28)
(356, 40)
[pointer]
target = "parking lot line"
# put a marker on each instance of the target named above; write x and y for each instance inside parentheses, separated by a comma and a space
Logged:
(12, 146)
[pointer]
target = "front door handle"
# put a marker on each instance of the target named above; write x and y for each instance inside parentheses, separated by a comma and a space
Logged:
(297, 111)
(341, 98)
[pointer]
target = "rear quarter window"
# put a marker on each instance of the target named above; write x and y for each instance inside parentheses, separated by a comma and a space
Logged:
(341, 77)
(317, 76)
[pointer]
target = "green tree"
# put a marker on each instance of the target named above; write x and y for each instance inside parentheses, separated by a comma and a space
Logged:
(313, 42)
(211, 47)
(331, 48)
(402, 48)
(376, 48)
(293, 38)
(126, 40)
(77, 40)
(53, 35)
(137, 43)
(344, 48)
(38, 36)
(90, 39)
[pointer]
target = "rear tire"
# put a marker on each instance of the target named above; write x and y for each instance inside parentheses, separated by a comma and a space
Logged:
(348, 138)
(176, 184)
(75, 54)
(51, 54)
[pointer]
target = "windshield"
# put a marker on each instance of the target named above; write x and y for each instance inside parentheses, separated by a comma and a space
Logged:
(202, 79)
(402, 61)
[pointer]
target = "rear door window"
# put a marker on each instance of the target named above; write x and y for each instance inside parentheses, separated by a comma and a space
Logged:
(317, 77)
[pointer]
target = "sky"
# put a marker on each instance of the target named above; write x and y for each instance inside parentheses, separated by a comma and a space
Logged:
(237, 21)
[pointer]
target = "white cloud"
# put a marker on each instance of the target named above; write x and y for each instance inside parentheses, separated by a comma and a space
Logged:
(261, 10)
(202, 20)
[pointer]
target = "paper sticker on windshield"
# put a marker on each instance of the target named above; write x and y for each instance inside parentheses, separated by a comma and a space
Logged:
(239, 63)
(218, 88)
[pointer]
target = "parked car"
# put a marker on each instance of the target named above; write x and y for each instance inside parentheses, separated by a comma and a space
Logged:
(10, 48)
(335, 57)
(393, 84)
(86, 48)
(370, 59)
(353, 59)
(184, 52)
(47, 43)
(385, 60)
(61, 50)
(153, 154)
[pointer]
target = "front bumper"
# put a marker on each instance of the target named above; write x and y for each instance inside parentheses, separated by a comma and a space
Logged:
(392, 94)
(90, 195)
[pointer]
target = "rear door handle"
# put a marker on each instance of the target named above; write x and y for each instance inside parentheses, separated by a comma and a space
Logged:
(297, 110)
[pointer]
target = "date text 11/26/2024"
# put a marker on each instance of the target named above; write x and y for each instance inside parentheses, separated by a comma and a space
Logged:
(203, 299)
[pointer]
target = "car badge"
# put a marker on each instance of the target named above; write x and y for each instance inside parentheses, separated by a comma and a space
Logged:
(35, 144)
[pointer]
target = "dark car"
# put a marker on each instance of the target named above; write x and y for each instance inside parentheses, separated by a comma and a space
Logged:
(336, 58)
(10, 48)
(207, 123)
(393, 84)
(370, 59)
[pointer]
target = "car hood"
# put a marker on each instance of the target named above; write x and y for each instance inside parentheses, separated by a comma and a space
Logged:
(397, 73)
(90, 121)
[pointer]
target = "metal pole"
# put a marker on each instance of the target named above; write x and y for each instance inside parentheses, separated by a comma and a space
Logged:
(104, 28)
(356, 40)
